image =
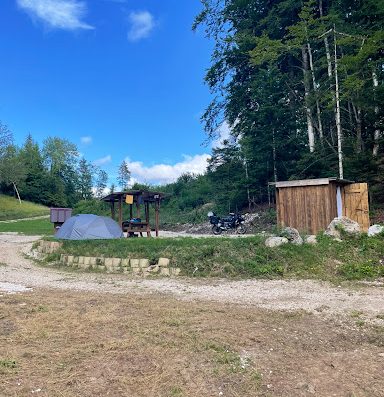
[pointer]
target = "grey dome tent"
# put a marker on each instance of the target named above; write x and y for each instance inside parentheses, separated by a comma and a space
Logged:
(89, 227)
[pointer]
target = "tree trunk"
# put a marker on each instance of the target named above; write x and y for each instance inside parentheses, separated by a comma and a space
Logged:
(377, 133)
(311, 135)
(326, 43)
(247, 179)
(358, 121)
(274, 156)
(337, 113)
(17, 192)
(319, 123)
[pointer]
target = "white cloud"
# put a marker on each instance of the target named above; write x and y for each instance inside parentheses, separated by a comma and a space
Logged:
(103, 160)
(141, 25)
(86, 140)
(164, 173)
(59, 14)
(223, 134)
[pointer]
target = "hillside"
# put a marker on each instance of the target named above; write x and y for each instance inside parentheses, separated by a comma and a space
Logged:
(10, 208)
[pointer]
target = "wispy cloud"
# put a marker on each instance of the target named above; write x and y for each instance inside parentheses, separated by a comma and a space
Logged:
(165, 173)
(103, 160)
(141, 24)
(58, 14)
(86, 140)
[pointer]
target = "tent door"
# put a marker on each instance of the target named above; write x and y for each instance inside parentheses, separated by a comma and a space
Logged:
(355, 204)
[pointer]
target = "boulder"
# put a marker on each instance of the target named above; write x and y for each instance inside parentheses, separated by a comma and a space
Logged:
(312, 239)
(375, 230)
(348, 226)
(292, 235)
(273, 242)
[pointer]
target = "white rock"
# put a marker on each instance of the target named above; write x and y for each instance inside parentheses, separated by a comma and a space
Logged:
(272, 242)
(292, 235)
(312, 239)
(349, 227)
(375, 230)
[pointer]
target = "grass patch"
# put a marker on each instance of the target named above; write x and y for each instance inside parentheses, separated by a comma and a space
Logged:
(29, 227)
(91, 344)
(10, 208)
(7, 365)
(353, 259)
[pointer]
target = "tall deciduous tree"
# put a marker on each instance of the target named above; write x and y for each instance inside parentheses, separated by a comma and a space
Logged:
(59, 153)
(84, 180)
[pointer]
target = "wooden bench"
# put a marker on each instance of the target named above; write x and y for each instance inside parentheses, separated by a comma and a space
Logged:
(137, 227)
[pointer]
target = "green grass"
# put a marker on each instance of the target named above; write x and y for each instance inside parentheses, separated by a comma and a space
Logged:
(352, 259)
(10, 208)
(29, 227)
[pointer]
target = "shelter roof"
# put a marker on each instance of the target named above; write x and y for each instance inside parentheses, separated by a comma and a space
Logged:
(147, 195)
(311, 182)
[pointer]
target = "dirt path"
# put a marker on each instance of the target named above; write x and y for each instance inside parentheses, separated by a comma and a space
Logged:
(18, 272)
(26, 219)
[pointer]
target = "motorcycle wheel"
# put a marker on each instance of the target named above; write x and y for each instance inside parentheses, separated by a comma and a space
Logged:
(241, 229)
(216, 230)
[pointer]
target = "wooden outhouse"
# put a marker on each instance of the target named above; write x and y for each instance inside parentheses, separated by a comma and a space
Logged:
(310, 205)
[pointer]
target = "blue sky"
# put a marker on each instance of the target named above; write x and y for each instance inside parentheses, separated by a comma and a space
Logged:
(123, 79)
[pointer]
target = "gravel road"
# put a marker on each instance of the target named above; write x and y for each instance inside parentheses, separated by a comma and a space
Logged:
(17, 273)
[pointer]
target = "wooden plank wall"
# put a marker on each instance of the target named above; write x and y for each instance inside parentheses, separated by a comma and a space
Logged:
(309, 209)
(356, 204)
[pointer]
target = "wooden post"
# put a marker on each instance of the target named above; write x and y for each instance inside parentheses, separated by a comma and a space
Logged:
(157, 207)
(113, 209)
(121, 211)
(130, 211)
(146, 206)
(137, 207)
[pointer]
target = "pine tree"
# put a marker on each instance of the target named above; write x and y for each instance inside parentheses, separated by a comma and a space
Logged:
(124, 175)
(101, 183)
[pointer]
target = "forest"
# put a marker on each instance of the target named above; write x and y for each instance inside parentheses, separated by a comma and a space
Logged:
(298, 84)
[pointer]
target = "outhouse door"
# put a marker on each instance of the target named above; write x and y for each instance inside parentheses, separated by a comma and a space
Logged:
(356, 205)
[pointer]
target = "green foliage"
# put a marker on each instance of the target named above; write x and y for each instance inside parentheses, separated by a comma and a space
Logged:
(272, 74)
(51, 175)
(84, 180)
(95, 207)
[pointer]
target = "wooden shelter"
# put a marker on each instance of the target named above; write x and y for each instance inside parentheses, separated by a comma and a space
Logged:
(137, 199)
(310, 205)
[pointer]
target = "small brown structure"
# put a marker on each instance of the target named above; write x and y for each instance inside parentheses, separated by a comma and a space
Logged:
(310, 205)
(135, 198)
(59, 215)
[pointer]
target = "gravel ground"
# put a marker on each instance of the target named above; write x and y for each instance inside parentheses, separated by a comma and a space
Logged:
(17, 272)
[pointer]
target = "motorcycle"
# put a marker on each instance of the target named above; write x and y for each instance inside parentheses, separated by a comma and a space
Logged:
(231, 222)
